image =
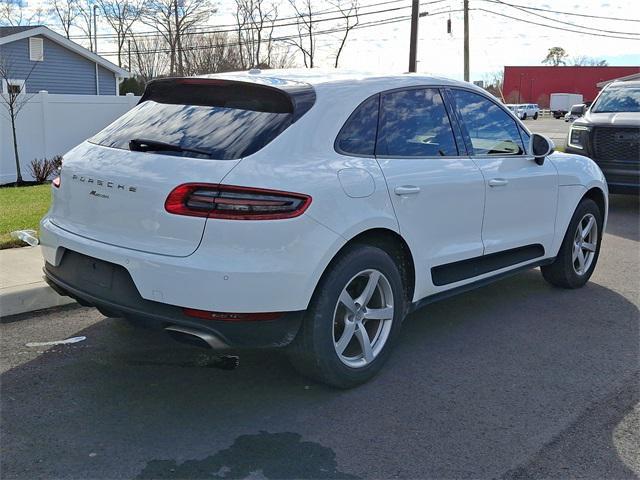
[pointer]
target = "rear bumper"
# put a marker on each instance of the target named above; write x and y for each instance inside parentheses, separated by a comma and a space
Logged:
(238, 267)
(109, 287)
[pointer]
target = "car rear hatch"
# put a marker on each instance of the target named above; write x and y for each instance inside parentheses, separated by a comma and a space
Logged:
(113, 187)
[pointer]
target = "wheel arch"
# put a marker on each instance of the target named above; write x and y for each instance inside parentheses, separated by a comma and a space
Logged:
(597, 195)
(569, 197)
(393, 244)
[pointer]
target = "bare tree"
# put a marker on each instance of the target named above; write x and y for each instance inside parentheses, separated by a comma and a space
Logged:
(64, 13)
(349, 12)
(13, 13)
(172, 19)
(37, 16)
(585, 61)
(281, 57)
(149, 59)
(272, 18)
(210, 53)
(305, 42)
(241, 17)
(493, 83)
(256, 20)
(85, 19)
(121, 15)
(14, 101)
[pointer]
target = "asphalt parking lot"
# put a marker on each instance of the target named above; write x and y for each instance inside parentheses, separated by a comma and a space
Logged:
(556, 130)
(515, 380)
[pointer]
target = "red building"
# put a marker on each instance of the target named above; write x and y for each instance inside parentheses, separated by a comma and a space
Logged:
(535, 84)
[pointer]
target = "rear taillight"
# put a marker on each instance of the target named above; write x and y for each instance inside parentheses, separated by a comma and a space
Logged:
(231, 317)
(57, 162)
(234, 203)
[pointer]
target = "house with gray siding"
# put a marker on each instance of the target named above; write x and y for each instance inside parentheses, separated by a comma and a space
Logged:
(38, 58)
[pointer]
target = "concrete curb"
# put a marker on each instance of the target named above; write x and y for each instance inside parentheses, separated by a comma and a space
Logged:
(22, 288)
(28, 298)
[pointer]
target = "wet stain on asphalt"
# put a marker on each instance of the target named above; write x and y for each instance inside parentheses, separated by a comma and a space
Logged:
(261, 456)
(223, 362)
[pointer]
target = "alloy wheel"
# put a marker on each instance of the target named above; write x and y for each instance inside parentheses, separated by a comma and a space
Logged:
(362, 318)
(585, 242)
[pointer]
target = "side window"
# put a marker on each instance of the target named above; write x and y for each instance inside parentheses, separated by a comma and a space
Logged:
(414, 123)
(491, 130)
(358, 135)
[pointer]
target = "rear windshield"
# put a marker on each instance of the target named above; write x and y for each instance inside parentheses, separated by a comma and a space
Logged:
(212, 120)
(618, 99)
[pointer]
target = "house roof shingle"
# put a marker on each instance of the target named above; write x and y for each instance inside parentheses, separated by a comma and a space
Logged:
(6, 31)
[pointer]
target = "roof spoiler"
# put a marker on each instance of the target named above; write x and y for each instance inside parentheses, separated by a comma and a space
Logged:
(289, 97)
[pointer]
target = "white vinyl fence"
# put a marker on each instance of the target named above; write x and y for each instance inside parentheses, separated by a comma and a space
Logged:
(50, 125)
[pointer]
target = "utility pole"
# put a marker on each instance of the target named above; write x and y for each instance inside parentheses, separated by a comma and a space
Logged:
(413, 45)
(178, 42)
(466, 40)
(95, 29)
(129, 53)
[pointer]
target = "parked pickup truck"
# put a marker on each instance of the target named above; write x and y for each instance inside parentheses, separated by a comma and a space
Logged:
(609, 133)
(576, 112)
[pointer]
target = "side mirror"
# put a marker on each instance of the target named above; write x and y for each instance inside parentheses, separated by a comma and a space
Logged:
(540, 146)
(582, 109)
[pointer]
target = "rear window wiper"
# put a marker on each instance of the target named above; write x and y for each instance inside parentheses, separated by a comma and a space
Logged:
(143, 145)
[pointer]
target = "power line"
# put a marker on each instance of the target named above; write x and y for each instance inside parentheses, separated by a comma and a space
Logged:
(553, 26)
(525, 10)
(285, 38)
(234, 27)
(600, 17)
(374, 23)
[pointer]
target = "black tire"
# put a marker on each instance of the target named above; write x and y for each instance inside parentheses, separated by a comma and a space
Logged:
(562, 272)
(524, 116)
(535, 116)
(313, 352)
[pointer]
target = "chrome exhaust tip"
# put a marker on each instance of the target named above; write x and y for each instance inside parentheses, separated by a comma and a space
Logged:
(195, 337)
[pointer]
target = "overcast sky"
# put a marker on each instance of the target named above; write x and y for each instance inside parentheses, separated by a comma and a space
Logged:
(495, 41)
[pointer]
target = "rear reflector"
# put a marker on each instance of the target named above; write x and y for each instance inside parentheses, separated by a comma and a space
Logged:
(234, 203)
(56, 182)
(231, 317)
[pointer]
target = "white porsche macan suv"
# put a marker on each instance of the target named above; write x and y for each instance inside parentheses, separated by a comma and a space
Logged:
(313, 211)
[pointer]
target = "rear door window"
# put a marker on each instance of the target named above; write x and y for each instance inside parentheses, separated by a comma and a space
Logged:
(491, 130)
(415, 123)
(211, 120)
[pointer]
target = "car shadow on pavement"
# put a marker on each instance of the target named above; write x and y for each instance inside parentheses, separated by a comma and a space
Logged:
(477, 387)
(624, 211)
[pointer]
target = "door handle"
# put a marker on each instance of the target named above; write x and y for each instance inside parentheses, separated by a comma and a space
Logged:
(498, 182)
(406, 190)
